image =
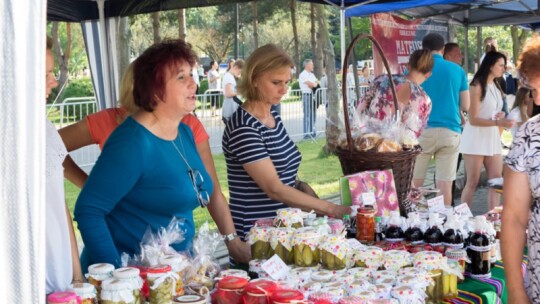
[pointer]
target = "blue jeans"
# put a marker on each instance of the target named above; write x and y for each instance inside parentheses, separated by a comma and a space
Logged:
(309, 114)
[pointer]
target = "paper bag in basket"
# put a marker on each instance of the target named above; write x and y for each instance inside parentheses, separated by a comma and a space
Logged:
(381, 183)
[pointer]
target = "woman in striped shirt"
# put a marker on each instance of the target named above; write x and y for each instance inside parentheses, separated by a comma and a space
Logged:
(262, 160)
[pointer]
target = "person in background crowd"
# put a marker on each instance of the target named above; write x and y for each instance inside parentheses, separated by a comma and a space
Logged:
(213, 84)
(521, 213)
(449, 92)
(262, 160)
(97, 127)
(149, 170)
(413, 102)
(481, 139)
(365, 78)
(62, 265)
(308, 82)
(231, 102)
(452, 52)
(490, 45)
(231, 64)
(519, 109)
(507, 82)
(195, 75)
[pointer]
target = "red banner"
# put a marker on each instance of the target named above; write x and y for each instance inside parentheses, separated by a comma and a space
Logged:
(399, 38)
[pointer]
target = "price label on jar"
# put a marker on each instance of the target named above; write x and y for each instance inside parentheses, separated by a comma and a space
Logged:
(436, 204)
(368, 199)
(275, 267)
(463, 210)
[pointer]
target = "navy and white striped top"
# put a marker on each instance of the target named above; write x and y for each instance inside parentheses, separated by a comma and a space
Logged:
(247, 140)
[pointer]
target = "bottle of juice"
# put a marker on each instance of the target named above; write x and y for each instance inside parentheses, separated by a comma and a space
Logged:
(479, 250)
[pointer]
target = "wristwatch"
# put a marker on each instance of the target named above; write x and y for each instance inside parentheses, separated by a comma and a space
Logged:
(229, 237)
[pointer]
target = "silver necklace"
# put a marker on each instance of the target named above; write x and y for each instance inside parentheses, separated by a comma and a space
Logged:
(180, 153)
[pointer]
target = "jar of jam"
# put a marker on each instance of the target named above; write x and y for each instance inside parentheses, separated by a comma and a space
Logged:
(85, 291)
(365, 224)
(62, 298)
(258, 292)
(131, 276)
(98, 273)
(229, 290)
(286, 296)
(162, 283)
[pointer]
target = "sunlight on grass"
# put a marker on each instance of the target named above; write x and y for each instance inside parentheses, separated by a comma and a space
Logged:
(321, 172)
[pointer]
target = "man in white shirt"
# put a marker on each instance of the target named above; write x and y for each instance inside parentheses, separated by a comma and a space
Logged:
(213, 84)
(308, 82)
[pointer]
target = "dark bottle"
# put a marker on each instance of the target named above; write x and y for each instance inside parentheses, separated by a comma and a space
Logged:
(452, 237)
(414, 235)
(479, 251)
(394, 233)
(379, 234)
(433, 236)
(350, 226)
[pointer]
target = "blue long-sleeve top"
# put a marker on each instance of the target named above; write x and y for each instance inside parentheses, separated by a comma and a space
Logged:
(138, 181)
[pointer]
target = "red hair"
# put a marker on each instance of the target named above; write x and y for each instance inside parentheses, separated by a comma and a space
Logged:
(152, 69)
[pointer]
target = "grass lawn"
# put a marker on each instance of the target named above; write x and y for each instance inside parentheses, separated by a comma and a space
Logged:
(320, 171)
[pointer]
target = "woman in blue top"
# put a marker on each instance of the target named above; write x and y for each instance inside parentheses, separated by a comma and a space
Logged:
(149, 170)
(262, 160)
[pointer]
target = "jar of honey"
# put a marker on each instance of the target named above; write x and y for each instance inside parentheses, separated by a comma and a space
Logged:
(365, 225)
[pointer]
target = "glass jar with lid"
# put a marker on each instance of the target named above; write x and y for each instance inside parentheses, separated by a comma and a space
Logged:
(98, 273)
(162, 283)
(259, 239)
(115, 291)
(85, 291)
(132, 277)
(62, 298)
(178, 264)
(306, 247)
(289, 217)
(334, 250)
(258, 291)
(281, 241)
(286, 296)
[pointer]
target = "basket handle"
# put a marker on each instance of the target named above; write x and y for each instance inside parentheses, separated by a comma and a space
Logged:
(344, 87)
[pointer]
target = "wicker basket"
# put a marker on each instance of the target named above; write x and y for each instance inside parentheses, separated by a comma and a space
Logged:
(401, 163)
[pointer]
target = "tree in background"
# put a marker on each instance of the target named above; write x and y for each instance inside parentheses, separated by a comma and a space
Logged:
(296, 55)
(155, 26)
(519, 36)
(62, 53)
(255, 24)
(182, 30)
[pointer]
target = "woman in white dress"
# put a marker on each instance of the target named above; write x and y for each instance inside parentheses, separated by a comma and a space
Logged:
(481, 140)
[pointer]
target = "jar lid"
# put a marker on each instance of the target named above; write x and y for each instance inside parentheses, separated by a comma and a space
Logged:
(232, 282)
(101, 268)
(352, 300)
(61, 297)
(286, 295)
(256, 265)
(233, 272)
(82, 288)
(322, 276)
(456, 254)
(428, 260)
(261, 287)
(194, 299)
(404, 293)
(159, 269)
(172, 259)
(114, 284)
(126, 273)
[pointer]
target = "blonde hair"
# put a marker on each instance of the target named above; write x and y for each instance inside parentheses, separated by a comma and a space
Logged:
(126, 91)
(266, 58)
(421, 61)
(529, 60)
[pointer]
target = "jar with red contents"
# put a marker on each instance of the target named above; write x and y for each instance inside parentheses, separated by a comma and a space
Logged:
(259, 292)
(286, 296)
(62, 298)
(229, 290)
(145, 290)
(365, 224)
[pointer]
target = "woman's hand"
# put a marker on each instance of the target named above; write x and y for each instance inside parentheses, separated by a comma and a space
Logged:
(239, 251)
(506, 123)
(338, 211)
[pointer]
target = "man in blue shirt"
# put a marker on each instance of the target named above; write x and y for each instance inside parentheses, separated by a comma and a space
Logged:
(449, 92)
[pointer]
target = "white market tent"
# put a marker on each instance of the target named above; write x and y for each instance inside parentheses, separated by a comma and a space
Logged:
(22, 157)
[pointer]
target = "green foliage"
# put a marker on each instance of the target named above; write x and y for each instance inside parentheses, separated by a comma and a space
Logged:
(78, 88)
(295, 85)
(203, 85)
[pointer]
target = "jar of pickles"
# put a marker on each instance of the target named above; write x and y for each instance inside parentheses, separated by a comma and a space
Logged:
(98, 273)
(162, 283)
(115, 291)
(460, 256)
(289, 217)
(178, 264)
(433, 262)
(365, 224)
(62, 298)
(281, 242)
(396, 259)
(85, 291)
(334, 250)
(131, 276)
(306, 252)
(450, 280)
(259, 239)
(369, 257)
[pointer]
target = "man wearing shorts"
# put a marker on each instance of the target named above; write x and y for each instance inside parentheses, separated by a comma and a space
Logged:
(449, 92)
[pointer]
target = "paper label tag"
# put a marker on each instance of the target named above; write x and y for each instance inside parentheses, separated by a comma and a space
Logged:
(368, 199)
(276, 268)
(436, 204)
(463, 210)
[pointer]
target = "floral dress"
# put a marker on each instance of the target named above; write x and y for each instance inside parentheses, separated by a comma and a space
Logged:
(524, 157)
(379, 103)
